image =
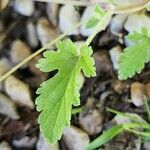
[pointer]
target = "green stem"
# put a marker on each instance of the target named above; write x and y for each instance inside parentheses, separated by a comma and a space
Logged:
(138, 132)
(133, 118)
(136, 125)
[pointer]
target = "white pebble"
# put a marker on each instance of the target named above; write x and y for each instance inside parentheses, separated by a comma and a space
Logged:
(42, 144)
(24, 7)
(114, 54)
(136, 21)
(75, 138)
(87, 14)
(68, 19)
(32, 35)
(116, 24)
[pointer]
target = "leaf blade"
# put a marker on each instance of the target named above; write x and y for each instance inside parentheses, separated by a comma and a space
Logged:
(133, 58)
(105, 137)
(58, 94)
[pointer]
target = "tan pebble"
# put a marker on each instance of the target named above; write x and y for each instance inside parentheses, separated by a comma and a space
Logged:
(8, 107)
(118, 86)
(19, 52)
(52, 12)
(5, 146)
(148, 89)
(18, 91)
(75, 138)
(137, 93)
(3, 4)
(32, 35)
(46, 33)
(91, 121)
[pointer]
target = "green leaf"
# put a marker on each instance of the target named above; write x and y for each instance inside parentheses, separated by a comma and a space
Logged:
(58, 94)
(105, 137)
(92, 22)
(148, 7)
(96, 17)
(133, 58)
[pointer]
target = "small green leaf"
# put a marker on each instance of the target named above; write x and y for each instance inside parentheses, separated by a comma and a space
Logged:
(105, 137)
(133, 58)
(148, 7)
(96, 17)
(58, 94)
(92, 23)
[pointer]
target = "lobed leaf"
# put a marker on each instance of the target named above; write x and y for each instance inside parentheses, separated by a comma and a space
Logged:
(133, 58)
(58, 94)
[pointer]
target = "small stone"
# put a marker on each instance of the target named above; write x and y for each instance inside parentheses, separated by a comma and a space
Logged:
(18, 91)
(25, 142)
(42, 144)
(102, 62)
(90, 104)
(24, 7)
(118, 86)
(31, 35)
(19, 52)
(75, 138)
(68, 18)
(116, 24)
(3, 4)
(52, 12)
(5, 146)
(148, 89)
(114, 54)
(5, 66)
(136, 22)
(137, 93)
(91, 121)
(45, 31)
(8, 107)
(146, 146)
